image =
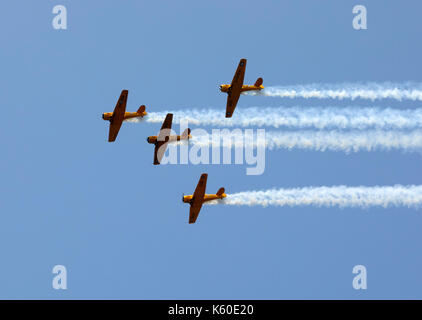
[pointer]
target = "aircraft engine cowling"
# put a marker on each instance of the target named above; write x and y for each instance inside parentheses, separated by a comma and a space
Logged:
(151, 139)
(224, 88)
(107, 116)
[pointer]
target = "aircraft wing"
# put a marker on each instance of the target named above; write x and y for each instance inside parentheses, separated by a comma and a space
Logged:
(167, 121)
(163, 138)
(165, 128)
(232, 99)
(118, 115)
(159, 151)
(235, 88)
(198, 198)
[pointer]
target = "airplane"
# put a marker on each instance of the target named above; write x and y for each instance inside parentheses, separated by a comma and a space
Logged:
(119, 114)
(237, 87)
(164, 137)
(199, 197)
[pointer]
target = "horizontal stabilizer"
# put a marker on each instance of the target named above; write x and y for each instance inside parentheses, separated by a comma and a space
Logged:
(141, 109)
(186, 133)
(258, 82)
(220, 191)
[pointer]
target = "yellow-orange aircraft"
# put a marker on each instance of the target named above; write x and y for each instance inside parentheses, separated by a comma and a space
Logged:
(237, 87)
(164, 138)
(119, 114)
(199, 197)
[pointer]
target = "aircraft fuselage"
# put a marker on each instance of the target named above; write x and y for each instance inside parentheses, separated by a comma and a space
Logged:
(226, 87)
(127, 115)
(154, 139)
(207, 197)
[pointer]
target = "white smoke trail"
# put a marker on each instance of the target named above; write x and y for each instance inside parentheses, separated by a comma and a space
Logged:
(341, 196)
(351, 141)
(371, 91)
(299, 117)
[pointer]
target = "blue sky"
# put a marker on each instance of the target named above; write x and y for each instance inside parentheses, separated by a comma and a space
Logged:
(117, 222)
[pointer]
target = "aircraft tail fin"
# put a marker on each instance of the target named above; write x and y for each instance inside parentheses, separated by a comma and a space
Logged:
(141, 109)
(220, 191)
(258, 82)
(186, 133)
